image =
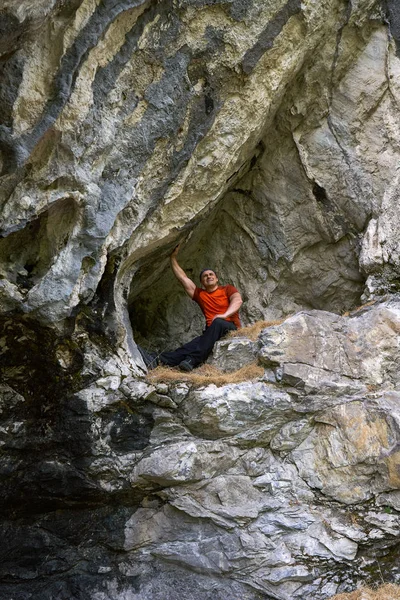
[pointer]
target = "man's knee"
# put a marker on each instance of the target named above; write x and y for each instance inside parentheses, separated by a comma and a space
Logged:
(219, 323)
(223, 325)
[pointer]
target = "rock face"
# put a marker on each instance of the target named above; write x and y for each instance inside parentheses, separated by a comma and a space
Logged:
(286, 487)
(263, 136)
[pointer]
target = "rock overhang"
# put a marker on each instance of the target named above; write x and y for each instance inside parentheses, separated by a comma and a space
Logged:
(207, 153)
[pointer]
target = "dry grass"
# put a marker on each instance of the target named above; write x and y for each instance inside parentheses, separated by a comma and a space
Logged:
(358, 308)
(385, 592)
(253, 331)
(205, 375)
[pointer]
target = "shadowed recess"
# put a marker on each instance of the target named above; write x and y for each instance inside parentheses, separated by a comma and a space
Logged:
(26, 255)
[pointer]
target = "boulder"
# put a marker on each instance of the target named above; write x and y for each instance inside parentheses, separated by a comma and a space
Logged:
(233, 353)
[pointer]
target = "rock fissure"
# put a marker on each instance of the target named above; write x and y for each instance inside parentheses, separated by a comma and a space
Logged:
(389, 77)
(394, 20)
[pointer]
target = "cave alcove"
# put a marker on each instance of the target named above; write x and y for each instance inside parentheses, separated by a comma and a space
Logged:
(284, 241)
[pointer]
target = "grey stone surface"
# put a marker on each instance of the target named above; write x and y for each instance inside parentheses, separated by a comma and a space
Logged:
(318, 349)
(252, 412)
(263, 489)
(233, 353)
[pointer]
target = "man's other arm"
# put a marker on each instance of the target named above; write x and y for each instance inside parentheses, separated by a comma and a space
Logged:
(188, 285)
(235, 302)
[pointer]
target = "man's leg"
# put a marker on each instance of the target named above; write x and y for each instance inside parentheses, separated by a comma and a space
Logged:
(175, 357)
(201, 347)
(217, 330)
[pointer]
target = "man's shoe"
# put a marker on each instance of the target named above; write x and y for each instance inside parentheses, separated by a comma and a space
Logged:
(186, 365)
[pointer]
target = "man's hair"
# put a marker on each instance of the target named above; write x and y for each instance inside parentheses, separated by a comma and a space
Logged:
(204, 270)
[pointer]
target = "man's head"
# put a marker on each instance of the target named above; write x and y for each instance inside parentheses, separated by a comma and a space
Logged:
(209, 279)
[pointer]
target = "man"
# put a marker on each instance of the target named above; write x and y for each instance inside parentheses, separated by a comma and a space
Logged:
(219, 304)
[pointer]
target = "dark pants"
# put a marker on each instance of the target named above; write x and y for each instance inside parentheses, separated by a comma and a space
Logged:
(200, 348)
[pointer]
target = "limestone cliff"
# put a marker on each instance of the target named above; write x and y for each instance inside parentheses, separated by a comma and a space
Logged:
(263, 135)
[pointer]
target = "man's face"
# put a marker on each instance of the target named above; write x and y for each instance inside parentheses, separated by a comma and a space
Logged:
(209, 279)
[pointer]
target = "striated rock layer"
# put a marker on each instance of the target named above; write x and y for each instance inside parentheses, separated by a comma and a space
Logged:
(265, 137)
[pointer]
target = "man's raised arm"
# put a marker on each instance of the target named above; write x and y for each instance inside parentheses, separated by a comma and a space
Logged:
(188, 284)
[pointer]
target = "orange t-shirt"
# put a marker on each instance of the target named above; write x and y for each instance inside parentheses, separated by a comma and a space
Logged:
(216, 303)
